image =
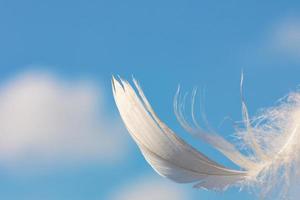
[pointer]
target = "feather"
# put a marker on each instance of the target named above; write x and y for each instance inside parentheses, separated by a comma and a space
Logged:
(169, 155)
(272, 139)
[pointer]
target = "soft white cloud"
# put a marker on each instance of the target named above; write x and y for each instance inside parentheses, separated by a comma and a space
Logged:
(284, 38)
(149, 188)
(44, 120)
(278, 44)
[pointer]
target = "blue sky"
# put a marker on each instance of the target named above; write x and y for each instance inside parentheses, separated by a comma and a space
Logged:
(70, 49)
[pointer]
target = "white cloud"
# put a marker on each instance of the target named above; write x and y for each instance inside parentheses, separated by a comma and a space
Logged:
(44, 120)
(284, 38)
(149, 188)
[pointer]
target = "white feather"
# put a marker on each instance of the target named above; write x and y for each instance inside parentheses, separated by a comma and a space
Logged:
(272, 138)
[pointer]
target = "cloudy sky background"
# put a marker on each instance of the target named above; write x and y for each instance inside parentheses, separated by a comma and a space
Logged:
(60, 133)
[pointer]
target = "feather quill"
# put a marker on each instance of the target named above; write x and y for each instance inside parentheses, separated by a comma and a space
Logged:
(273, 140)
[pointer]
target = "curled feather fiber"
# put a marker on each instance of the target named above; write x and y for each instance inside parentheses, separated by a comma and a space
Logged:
(272, 141)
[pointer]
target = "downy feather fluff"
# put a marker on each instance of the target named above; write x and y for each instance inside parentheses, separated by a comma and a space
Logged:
(271, 143)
